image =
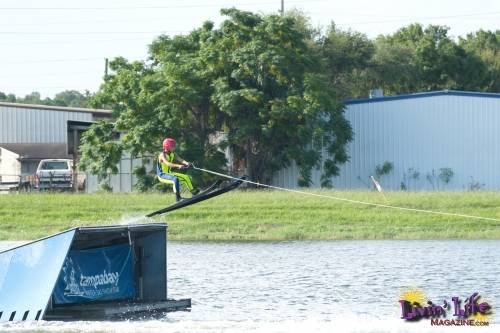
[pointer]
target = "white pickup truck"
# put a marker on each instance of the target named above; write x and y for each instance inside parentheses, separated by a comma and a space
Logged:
(54, 174)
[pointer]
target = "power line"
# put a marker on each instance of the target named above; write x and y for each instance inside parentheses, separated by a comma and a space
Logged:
(35, 87)
(153, 7)
(399, 19)
(62, 60)
(95, 21)
(458, 16)
(37, 75)
(50, 60)
(163, 18)
(87, 32)
(62, 75)
(76, 41)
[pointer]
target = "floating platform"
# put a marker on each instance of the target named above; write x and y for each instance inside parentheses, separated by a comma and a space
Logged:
(88, 273)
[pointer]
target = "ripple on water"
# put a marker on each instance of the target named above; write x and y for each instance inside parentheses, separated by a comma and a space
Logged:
(341, 286)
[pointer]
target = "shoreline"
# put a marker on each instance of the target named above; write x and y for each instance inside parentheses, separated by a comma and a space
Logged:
(261, 215)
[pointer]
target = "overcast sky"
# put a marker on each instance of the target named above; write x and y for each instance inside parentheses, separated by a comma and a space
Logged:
(54, 45)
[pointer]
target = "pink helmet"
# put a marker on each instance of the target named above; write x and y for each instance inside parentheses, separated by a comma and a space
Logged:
(168, 144)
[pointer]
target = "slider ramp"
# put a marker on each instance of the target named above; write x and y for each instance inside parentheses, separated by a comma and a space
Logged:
(88, 273)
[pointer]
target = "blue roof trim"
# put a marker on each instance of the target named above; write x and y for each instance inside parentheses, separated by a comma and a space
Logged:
(420, 95)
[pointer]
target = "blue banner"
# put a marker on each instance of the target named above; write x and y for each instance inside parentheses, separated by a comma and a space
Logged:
(100, 274)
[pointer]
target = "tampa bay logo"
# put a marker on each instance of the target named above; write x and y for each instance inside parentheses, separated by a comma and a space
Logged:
(472, 310)
(72, 288)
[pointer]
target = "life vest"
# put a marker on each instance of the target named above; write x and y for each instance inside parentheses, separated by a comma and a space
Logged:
(163, 167)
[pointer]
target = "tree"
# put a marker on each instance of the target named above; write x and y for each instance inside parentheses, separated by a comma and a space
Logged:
(33, 98)
(254, 78)
(101, 150)
(71, 98)
(11, 98)
(347, 54)
(486, 46)
(275, 98)
(393, 68)
(168, 97)
(427, 59)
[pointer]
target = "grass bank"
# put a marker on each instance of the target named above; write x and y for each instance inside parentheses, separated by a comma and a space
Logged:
(260, 215)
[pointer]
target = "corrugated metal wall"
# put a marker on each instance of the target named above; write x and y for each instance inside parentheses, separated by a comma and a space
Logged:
(27, 125)
(125, 180)
(420, 136)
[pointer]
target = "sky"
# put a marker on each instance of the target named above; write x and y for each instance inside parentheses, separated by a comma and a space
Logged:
(54, 45)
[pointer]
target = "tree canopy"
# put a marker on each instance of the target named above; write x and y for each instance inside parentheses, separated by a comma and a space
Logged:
(255, 79)
(416, 59)
(486, 46)
(70, 98)
(271, 88)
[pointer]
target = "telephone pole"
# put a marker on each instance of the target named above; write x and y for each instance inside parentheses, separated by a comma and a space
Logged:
(282, 7)
(106, 68)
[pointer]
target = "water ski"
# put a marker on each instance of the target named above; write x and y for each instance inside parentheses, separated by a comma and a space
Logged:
(210, 192)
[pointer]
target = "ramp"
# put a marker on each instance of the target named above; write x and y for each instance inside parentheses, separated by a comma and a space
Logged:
(28, 275)
(88, 273)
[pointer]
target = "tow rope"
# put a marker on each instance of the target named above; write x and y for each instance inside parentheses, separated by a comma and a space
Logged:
(416, 210)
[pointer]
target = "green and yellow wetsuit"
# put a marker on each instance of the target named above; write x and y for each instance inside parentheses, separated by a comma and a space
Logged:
(167, 176)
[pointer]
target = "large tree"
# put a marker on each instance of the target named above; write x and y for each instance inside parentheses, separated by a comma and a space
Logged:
(423, 59)
(274, 96)
(486, 46)
(254, 78)
(348, 55)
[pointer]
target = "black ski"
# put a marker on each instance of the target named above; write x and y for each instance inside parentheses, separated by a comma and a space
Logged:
(210, 192)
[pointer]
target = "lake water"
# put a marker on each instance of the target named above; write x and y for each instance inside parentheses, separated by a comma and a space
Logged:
(312, 286)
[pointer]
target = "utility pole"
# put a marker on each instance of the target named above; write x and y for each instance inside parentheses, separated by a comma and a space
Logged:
(282, 7)
(106, 68)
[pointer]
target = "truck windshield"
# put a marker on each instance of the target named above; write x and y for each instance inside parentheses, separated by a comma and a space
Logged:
(54, 165)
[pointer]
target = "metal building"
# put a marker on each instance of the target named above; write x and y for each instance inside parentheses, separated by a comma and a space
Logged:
(443, 140)
(34, 132)
(124, 180)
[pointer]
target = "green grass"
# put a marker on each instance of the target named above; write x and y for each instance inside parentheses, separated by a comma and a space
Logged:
(261, 215)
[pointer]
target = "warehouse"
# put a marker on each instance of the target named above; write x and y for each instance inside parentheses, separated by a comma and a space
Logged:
(443, 140)
(29, 133)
